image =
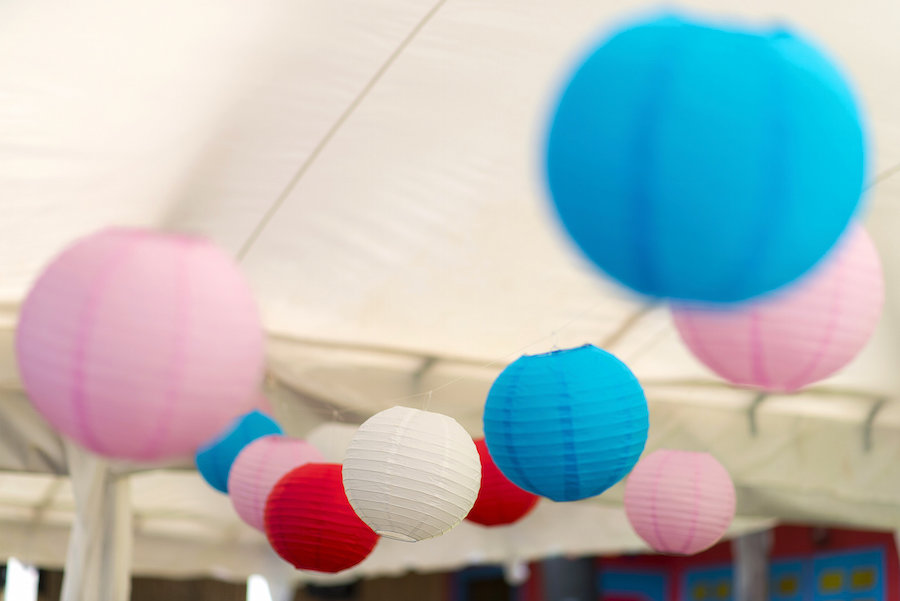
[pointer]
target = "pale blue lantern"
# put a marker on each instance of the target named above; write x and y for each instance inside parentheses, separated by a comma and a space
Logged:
(705, 163)
(566, 425)
(214, 459)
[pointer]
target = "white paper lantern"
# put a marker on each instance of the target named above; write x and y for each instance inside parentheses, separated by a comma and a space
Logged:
(411, 474)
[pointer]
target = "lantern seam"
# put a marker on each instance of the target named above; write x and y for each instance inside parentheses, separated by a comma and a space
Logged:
(833, 315)
(695, 506)
(175, 383)
(654, 500)
(89, 313)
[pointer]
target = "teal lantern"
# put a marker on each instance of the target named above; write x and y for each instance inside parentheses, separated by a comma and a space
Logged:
(214, 459)
(566, 425)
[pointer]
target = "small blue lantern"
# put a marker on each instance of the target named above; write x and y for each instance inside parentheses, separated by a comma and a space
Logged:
(566, 425)
(704, 163)
(215, 458)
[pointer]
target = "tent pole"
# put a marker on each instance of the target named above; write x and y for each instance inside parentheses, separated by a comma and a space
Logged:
(98, 562)
(751, 566)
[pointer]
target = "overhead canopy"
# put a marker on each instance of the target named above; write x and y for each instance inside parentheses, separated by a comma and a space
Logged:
(375, 167)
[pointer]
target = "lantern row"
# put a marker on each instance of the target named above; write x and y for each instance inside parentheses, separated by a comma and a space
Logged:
(732, 193)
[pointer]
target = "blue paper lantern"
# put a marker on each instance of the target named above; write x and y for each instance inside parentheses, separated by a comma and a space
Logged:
(215, 458)
(566, 425)
(702, 163)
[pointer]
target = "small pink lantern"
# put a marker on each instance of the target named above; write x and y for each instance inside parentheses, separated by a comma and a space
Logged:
(800, 335)
(259, 467)
(679, 502)
(140, 345)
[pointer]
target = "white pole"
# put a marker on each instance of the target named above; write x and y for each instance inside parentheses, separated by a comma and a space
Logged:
(751, 566)
(98, 563)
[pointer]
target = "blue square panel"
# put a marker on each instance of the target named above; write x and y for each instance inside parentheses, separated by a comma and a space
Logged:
(787, 581)
(849, 576)
(637, 585)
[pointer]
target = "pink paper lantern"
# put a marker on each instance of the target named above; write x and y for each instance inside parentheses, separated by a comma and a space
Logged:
(799, 336)
(679, 502)
(259, 467)
(140, 345)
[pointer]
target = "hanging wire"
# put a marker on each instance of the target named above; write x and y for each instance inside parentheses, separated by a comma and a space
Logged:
(332, 131)
(883, 176)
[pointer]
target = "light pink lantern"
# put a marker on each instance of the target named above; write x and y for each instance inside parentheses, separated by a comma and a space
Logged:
(797, 336)
(140, 345)
(259, 467)
(679, 502)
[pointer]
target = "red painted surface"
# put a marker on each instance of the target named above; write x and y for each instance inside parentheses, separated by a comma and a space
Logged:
(533, 589)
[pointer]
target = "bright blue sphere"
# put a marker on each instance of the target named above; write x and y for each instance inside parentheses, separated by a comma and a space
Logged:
(706, 164)
(566, 425)
(214, 459)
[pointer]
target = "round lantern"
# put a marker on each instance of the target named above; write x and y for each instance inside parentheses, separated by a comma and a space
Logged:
(567, 424)
(679, 502)
(499, 501)
(140, 345)
(703, 163)
(214, 459)
(259, 467)
(799, 335)
(310, 524)
(411, 474)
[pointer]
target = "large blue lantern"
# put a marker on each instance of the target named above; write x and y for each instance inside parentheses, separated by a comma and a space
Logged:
(705, 163)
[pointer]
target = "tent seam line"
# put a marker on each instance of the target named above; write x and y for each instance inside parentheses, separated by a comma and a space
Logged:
(332, 131)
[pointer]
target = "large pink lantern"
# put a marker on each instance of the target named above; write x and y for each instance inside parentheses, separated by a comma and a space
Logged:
(799, 336)
(259, 467)
(140, 345)
(679, 502)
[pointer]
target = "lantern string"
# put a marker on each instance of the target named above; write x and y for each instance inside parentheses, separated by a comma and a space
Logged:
(883, 176)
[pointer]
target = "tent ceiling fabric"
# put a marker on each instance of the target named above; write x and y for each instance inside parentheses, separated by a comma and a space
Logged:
(390, 150)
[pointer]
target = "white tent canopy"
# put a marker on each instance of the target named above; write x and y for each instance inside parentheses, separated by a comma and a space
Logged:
(375, 166)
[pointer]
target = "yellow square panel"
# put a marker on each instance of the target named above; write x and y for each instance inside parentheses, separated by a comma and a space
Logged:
(700, 593)
(832, 581)
(787, 586)
(862, 579)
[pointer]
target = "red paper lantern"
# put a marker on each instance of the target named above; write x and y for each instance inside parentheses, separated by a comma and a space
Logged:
(499, 501)
(310, 523)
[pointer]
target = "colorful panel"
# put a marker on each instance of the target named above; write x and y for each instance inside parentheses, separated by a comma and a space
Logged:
(788, 580)
(708, 584)
(851, 576)
(636, 585)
